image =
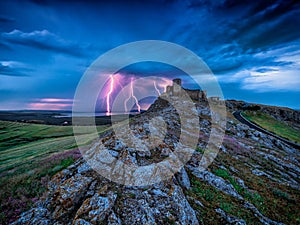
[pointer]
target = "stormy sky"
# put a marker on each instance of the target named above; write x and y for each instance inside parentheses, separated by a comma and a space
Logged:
(252, 47)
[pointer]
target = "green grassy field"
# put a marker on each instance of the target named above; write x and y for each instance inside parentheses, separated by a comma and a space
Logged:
(271, 124)
(29, 155)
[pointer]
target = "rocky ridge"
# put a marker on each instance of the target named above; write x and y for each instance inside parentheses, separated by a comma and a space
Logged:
(253, 180)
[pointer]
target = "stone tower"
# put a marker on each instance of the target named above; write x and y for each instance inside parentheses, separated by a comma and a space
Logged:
(176, 86)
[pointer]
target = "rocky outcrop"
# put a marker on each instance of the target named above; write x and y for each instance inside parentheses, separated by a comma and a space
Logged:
(253, 179)
(85, 198)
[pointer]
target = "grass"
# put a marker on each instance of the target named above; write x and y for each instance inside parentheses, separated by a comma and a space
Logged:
(29, 155)
(14, 134)
(255, 198)
(200, 150)
(274, 200)
(212, 199)
(22, 143)
(275, 126)
(21, 189)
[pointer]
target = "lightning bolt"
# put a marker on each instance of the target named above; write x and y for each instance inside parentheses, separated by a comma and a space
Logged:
(108, 110)
(134, 98)
(157, 90)
(136, 101)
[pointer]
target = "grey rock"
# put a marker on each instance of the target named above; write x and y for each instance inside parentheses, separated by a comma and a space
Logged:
(186, 213)
(34, 216)
(183, 179)
(84, 167)
(230, 219)
(113, 153)
(223, 149)
(215, 181)
(155, 205)
(96, 208)
(113, 219)
(81, 222)
(258, 172)
(263, 219)
(242, 127)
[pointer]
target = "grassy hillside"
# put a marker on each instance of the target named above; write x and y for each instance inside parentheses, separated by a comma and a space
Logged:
(29, 155)
(271, 124)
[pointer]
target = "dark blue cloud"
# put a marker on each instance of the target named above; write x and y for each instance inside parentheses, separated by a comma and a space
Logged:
(6, 69)
(44, 40)
(6, 19)
(4, 46)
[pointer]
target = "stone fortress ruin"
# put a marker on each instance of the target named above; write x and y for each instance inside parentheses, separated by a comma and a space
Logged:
(176, 90)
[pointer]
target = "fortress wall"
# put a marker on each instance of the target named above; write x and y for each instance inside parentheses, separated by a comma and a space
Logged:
(176, 90)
